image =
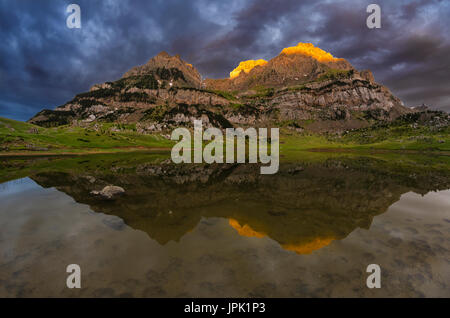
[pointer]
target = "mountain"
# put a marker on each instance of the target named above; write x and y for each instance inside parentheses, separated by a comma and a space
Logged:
(168, 70)
(304, 88)
(295, 65)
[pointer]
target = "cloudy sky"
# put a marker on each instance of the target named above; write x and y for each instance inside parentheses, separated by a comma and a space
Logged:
(43, 63)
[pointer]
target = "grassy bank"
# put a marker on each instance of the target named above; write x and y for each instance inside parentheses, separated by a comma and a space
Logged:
(19, 138)
(404, 137)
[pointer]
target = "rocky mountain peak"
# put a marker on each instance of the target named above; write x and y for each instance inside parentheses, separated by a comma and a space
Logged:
(309, 49)
(163, 54)
(173, 69)
(294, 65)
(246, 66)
(301, 84)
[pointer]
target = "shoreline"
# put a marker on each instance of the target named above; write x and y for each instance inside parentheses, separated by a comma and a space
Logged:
(81, 153)
(377, 151)
(163, 149)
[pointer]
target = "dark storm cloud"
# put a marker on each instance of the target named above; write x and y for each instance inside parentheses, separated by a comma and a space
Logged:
(44, 64)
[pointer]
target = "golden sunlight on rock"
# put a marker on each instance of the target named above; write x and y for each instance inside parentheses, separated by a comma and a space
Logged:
(299, 248)
(246, 66)
(310, 50)
(245, 230)
(308, 248)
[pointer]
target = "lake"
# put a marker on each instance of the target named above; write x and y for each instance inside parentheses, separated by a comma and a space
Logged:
(225, 230)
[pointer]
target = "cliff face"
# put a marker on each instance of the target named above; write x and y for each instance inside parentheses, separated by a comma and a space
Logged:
(302, 84)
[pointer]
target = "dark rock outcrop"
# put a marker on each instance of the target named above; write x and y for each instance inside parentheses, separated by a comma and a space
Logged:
(171, 69)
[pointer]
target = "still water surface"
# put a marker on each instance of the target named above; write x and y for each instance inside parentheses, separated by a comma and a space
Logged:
(226, 231)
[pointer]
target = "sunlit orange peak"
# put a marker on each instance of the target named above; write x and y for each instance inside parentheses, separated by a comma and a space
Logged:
(245, 230)
(246, 66)
(299, 248)
(308, 248)
(310, 50)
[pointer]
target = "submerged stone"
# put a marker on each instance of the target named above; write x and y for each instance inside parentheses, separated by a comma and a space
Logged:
(109, 192)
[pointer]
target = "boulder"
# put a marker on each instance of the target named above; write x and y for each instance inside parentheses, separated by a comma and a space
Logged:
(109, 192)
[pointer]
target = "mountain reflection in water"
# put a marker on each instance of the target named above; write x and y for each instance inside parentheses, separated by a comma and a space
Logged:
(305, 207)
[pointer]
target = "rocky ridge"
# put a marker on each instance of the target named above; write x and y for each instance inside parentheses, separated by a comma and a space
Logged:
(294, 89)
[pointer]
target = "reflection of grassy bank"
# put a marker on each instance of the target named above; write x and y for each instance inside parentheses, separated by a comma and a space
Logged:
(123, 163)
(19, 167)
(411, 166)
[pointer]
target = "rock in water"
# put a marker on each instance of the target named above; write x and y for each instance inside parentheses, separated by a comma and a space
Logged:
(109, 192)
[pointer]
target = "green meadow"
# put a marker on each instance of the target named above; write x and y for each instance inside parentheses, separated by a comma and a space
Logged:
(16, 136)
(22, 138)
